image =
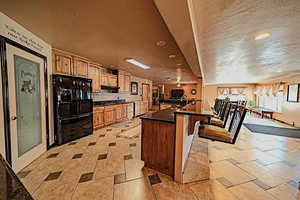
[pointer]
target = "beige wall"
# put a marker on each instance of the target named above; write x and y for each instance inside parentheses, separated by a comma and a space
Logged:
(210, 92)
(187, 90)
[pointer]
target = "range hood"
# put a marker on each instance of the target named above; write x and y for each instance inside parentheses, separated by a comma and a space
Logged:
(113, 89)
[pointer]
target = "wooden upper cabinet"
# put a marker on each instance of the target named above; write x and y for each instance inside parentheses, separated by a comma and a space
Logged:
(124, 81)
(62, 63)
(94, 74)
(104, 78)
(121, 80)
(112, 80)
(80, 67)
(127, 83)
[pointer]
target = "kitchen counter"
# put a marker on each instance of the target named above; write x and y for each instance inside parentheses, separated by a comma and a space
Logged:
(11, 187)
(168, 115)
(167, 137)
(111, 102)
(177, 101)
(162, 115)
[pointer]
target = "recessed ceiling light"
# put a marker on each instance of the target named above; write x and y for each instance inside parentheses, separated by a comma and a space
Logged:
(137, 63)
(172, 56)
(161, 43)
(179, 64)
(262, 36)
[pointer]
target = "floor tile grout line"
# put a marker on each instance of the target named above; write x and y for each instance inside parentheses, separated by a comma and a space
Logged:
(195, 195)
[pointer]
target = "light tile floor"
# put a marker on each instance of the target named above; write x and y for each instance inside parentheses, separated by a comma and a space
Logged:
(106, 166)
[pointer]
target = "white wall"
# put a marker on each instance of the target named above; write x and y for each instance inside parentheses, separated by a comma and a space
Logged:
(187, 141)
(115, 96)
(12, 30)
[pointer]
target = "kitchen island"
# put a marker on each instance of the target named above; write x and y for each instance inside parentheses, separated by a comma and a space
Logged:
(11, 187)
(167, 139)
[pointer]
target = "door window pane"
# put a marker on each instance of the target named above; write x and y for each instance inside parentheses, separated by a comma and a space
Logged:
(28, 104)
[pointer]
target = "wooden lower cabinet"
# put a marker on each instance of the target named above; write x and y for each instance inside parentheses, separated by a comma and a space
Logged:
(106, 115)
(98, 117)
(109, 115)
(118, 113)
(158, 145)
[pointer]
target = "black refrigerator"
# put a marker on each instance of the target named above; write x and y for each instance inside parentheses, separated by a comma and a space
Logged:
(73, 108)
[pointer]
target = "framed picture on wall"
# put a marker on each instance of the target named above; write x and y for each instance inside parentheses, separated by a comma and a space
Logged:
(134, 88)
(293, 93)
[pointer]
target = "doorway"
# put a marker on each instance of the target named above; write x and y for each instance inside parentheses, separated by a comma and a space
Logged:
(26, 106)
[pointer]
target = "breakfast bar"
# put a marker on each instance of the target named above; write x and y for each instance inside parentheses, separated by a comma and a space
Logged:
(170, 141)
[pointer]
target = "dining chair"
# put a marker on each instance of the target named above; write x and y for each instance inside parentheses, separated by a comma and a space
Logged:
(216, 133)
(222, 120)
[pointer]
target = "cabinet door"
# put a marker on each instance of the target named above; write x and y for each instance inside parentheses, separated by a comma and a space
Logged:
(121, 81)
(104, 79)
(93, 73)
(80, 67)
(101, 119)
(95, 119)
(62, 65)
(109, 116)
(112, 80)
(127, 83)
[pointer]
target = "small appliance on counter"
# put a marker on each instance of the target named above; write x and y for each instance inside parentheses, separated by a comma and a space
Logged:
(73, 108)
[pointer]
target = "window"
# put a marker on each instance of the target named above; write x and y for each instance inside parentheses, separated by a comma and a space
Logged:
(233, 93)
(271, 102)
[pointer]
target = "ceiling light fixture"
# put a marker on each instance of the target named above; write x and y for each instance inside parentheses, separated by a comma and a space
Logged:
(161, 43)
(137, 63)
(262, 36)
(178, 85)
(178, 64)
(172, 56)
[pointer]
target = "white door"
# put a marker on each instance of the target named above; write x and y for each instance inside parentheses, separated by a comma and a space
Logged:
(26, 106)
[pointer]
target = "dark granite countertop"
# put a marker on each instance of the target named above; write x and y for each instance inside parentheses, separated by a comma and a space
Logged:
(11, 187)
(162, 115)
(177, 101)
(111, 102)
(168, 115)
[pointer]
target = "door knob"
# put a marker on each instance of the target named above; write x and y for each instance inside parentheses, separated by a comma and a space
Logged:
(14, 118)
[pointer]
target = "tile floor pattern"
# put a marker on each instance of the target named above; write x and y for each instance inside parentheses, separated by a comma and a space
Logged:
(103, 166)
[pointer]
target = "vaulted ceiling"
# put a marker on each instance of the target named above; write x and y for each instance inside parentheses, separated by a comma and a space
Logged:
(107, 32)
(225, 32)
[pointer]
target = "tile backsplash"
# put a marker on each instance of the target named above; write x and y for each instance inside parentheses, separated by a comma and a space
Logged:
(115, 96)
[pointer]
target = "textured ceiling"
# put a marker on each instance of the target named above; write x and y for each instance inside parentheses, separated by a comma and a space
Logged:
(107, 32)
(177, 18)
(224, 31)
